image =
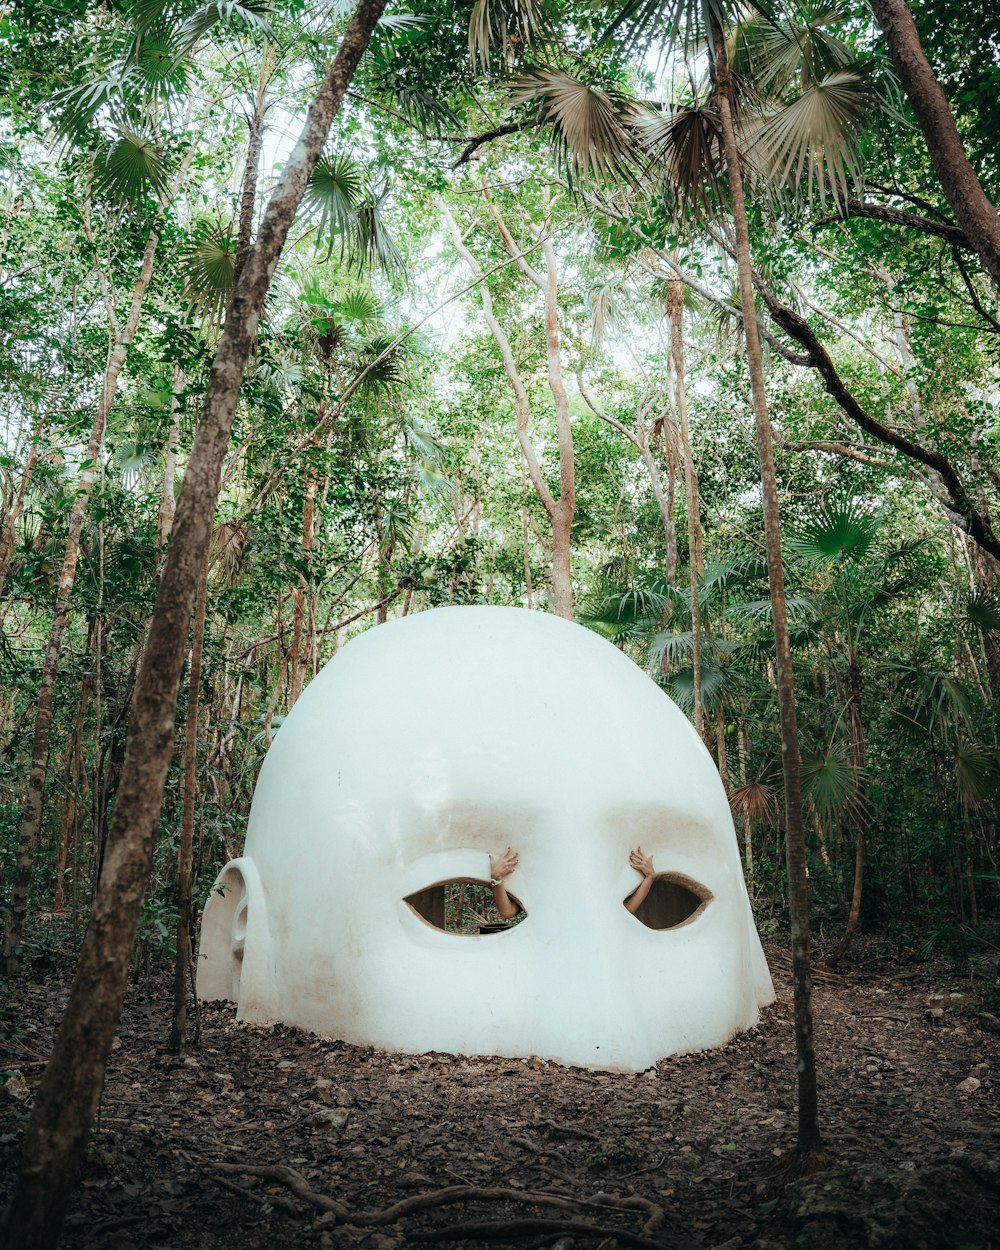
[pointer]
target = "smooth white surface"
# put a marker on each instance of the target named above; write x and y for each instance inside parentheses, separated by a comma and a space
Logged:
(421, 747)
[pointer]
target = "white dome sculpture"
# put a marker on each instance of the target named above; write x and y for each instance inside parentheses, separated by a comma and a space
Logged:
(424, 746)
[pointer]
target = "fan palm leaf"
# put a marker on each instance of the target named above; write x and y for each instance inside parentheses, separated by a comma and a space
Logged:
(977, 772)
(831, 780)
(130, 168)
(982, 612)
(211, 268)
(686, 146)
(590, 125)
(811, 142)
(842, 530)
(755, 803)
(335, 191)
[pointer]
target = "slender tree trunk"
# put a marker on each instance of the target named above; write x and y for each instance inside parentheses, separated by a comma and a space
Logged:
(167, 505)
(808, 1140)
(71, 1085)
(31, 818)
(962, 189)
(8, 526)
(182, 962)
(675, 311)
(298, 619)
(858, 813)
(560, 510)
(73, 780)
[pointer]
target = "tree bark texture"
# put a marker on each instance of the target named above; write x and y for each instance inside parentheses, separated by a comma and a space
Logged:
(675, 313)
(974, 213)
(71, 1085)
(182, 961)
(808, 1137)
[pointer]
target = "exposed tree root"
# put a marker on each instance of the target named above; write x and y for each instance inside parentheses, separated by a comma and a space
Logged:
(452, 1194)
(798, 1163)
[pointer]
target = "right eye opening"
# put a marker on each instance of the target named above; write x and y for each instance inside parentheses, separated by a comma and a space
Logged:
(462, 906)
(672, 900)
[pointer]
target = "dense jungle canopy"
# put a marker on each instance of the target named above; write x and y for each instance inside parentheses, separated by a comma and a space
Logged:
(677, 320)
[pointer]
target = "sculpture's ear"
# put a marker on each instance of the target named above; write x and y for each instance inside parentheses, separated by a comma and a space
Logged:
(235, 959)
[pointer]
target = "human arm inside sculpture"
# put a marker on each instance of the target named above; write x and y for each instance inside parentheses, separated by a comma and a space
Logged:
(501, 866)
(644, 864)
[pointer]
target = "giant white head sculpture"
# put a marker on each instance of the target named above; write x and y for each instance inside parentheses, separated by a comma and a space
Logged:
(429, 743)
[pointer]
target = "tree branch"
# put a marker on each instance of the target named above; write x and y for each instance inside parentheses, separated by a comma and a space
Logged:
(477, 141)
(958, 499)
(896, 217)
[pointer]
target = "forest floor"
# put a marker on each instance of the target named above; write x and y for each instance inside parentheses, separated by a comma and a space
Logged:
(269, 1139)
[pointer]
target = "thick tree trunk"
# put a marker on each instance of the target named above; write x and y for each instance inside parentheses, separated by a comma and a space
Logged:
(71, 1085)
(31, 818)
(974, 213)
(808, 1141)
(182, 962)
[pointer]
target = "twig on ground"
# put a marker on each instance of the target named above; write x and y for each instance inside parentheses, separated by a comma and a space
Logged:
(524, 1228)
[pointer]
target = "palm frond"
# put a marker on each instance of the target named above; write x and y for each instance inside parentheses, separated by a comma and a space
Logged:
(755, 803)
(668, 649)
(360, 307)
(590, 129)
(373, 245)
(977, 772)
(982, 612)
(130, 168)
(249, 15)
(602, 305)
(334, 193)
(811, 143)
(211, 268)
(513, 24)
(686, 146)
(830, 779)
(784, 53)
(841, 530)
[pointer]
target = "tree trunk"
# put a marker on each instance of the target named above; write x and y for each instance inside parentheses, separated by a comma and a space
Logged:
(182, 962)
(858, 814)
(71, 1085)
(675, 311)
(962, 189)
(167, 505)
(560, 510)
(299, 596)
(8, 526)
(31, 818)
(808, 1141)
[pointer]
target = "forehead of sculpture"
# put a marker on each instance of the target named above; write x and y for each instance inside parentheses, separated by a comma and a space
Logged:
(491, 718)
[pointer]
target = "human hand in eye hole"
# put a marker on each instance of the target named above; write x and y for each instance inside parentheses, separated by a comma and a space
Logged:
(641, 863)
(501, 866)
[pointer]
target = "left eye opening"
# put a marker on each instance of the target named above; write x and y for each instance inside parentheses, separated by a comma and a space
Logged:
(462, 907)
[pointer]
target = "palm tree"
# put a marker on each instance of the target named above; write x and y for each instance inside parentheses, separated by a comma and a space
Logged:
(805, 135)
(836, 544)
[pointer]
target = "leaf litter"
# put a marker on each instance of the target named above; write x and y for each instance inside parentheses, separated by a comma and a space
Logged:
(273, 1139)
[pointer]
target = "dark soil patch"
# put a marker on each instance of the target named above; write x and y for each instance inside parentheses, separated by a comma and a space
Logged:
(677, 1157)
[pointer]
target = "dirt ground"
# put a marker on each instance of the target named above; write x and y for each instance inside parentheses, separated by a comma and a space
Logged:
(271, 1138)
